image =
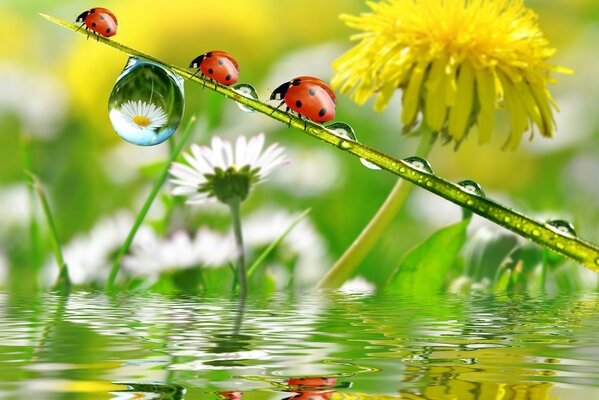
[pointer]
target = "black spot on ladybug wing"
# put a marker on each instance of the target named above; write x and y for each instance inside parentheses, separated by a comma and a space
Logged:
(296, 82)
(210, 71)
(228, 77)
(101, 17)
(108, 30)
(221, 61)
(93, 24)
(312, 91)
(322, 112)
(298, 104)
(209, 54)
(93, 10)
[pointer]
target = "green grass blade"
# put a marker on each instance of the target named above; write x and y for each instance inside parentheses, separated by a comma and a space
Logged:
(276, 243)
(63, 271)
(147, 204)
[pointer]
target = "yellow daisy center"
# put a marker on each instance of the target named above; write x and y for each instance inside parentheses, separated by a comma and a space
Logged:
(141, 120)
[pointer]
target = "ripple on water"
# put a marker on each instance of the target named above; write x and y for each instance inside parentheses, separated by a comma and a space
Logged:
(367, 345)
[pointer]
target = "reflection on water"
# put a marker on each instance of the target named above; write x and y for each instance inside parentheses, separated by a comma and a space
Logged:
(299, 346)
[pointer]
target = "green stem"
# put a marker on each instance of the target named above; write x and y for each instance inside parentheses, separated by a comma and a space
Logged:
(577, 249)
(63, 271)
(241, 271)
(372, 233)
(147, 204)
(34, 227)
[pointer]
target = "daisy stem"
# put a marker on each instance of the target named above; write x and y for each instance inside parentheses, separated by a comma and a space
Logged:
(63, 280)
(347, 264)
(577, 249)
(147, 204)
(241, 271)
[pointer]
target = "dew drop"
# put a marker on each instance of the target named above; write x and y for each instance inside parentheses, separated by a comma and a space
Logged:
(472, 187)
(419, 163)
(246, 90)
(346, 145)
(370, 165)
(562, 227)
(402, 170)
(536, 232)
(597, 261)
(343, 130)
(506, 219)
(560, 245)
(146, 103)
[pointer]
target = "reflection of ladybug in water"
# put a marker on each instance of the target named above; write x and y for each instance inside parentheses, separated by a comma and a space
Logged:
(217, 65)
(231, 395)
(312, 382)
(311, 388)
(100, 20)
(307, 96)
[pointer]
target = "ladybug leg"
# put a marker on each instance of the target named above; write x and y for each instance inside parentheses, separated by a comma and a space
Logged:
(303, 119)
(279, 106)
(288, 113)
(80, 26)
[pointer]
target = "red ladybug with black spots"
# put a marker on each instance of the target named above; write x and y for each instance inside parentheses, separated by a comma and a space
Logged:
(101, 21)
(217, 65)
(309, 97)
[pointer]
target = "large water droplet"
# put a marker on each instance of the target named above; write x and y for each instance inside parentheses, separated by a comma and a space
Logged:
(345, 131)
(419, 163)
(562, 227)
(146, 103)
(246, 90)
(472, 187)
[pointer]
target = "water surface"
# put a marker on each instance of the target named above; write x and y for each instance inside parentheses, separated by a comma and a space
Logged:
(152, 346)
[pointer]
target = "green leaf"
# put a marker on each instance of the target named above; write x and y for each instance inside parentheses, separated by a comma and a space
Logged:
(423, 269)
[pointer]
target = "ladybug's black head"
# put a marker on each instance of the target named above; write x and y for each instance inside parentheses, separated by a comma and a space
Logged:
(280, 92)
(82, 16)
(195, 63)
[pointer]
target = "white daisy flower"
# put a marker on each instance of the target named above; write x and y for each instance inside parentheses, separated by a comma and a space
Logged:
(142, 115)
(222, 172)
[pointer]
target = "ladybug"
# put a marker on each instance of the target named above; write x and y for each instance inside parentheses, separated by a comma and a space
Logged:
(100, 20)
(312, 382)
(217, 65)
(307, 96)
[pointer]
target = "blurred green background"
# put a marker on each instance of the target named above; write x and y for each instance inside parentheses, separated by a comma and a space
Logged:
(54, 88)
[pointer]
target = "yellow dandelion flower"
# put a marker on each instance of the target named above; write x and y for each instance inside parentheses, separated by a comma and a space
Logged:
(457, 61)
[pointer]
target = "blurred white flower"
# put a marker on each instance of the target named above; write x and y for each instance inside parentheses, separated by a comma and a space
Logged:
(303, 243)
(314, 171)
(123, 161)
(37, 99)
(358, 285)
(15, 203)
(3, 269)
(89, 256)
(152, 255)
(222, 172)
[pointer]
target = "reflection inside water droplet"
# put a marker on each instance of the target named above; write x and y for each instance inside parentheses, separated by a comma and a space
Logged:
(246, 90)
(562, 227)
(419, 163)
(146, 103)
(345, 131)
(472, 187)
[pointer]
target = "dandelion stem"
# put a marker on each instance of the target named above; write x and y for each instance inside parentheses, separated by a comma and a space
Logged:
(241, 271)
(63, 271)
(370, 236)
(147, 204)
(577, 249)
